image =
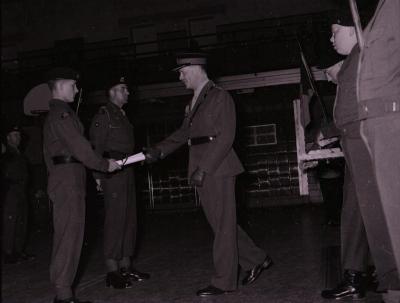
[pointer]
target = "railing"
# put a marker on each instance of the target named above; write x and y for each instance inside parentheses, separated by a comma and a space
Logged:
(227, 35)
(241, 48)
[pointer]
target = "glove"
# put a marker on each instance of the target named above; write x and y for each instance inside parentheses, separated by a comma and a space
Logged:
(152, 154)
(197, 178)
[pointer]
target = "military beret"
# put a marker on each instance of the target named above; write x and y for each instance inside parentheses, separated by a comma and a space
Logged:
(59, 73)
(342, 17)
(190, 58)
(115, 80)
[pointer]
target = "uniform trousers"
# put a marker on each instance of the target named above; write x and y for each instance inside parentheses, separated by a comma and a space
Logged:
(232, 246)
(67, 189)
(354, 243)
(382, 138)
(332, 194)
(15, 218)
(362, 172)
(120, 223)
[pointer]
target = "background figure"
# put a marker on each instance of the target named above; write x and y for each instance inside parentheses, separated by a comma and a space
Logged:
(14, 183)
(66, 153)
(111, 134)
(209, 130)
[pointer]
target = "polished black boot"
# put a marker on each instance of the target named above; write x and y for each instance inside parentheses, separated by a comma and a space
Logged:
(256, 271)
(115, 280)
(211, 290)
(371, 281)
(133, 274)
(353, 286)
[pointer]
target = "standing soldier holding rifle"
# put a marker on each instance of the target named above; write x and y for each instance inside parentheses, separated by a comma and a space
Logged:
(367, 113)
(378, 81)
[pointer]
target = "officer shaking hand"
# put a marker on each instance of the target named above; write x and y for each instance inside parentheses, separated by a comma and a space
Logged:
(208, 128)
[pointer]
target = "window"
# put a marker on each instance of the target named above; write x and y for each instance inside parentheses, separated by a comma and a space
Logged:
(258, 135)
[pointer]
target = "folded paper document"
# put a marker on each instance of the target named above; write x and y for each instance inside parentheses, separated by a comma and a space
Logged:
(131, 159)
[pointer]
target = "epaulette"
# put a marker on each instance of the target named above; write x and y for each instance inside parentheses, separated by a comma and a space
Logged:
(103, 111)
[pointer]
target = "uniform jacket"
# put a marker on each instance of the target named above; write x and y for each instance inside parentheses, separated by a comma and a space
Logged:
(346, 105)
(111, 133)
(379, 65)
(212, 115)
(13, 170)
(63, 136)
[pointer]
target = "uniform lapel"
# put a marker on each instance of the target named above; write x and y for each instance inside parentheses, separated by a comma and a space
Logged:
(200, 99)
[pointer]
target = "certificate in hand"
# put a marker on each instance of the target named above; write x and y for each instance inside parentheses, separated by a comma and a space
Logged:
(131, 159)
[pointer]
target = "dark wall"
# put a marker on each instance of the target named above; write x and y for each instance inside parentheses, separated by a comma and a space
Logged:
(29, 25)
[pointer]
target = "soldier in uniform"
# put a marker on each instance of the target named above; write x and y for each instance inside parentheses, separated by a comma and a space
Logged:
(111, 134)
(209, 130)
(354, 244)
(362, 169)
(14, 181)
(379, 109)
(66, 153)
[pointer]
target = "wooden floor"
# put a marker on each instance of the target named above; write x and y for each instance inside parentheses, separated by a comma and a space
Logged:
(175, 247)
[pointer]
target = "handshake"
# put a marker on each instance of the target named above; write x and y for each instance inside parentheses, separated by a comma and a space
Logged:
(152, 154)
(113, 165)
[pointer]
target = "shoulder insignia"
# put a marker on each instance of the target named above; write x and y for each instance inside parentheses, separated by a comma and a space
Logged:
(103, 110)
(65, 115)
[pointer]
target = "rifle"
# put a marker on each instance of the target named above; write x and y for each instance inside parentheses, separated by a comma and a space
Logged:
(357, 23)
(311, 81)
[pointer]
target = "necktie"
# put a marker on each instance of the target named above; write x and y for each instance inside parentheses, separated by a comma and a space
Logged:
(192, 104)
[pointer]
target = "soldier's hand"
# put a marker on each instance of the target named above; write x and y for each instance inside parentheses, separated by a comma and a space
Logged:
(152, 154)
(99, 188)
(197, 178)
(308, 165)
(113, 165)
